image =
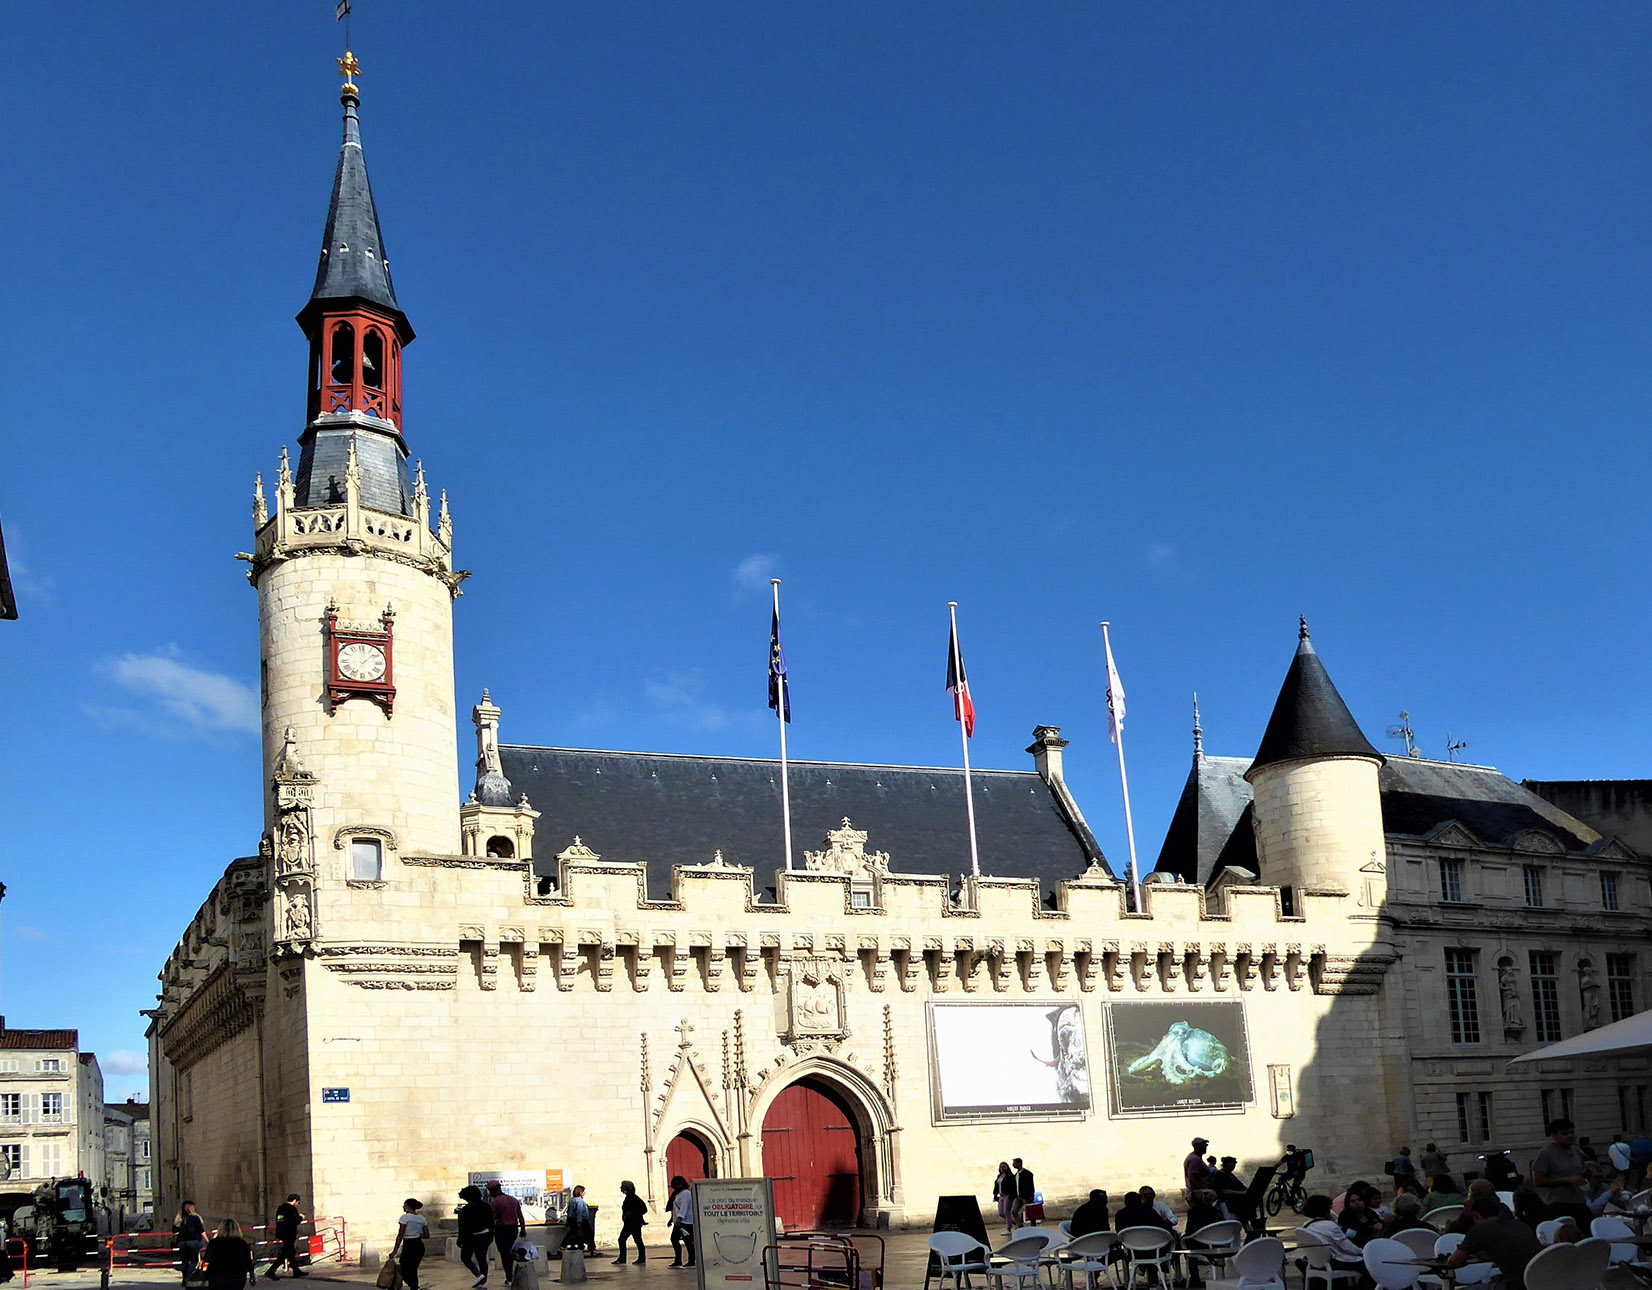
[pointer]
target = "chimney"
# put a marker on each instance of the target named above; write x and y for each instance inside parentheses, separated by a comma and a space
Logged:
(1046, 751)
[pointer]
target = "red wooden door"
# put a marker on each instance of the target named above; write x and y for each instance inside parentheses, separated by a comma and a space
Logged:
(686, 1155)
(811, 1152)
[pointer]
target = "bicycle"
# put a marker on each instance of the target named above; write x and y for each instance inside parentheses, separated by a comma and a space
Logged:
(1287, 1188)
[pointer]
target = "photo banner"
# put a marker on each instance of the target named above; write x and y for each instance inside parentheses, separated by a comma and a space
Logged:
(1008, 1059)
(1179, 1056)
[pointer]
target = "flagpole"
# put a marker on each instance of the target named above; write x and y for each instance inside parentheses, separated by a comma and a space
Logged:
(963, 736)
(780, 715)
(1124, 783)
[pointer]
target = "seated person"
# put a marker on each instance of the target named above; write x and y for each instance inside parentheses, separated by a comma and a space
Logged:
(1408, 1216)
(1204, 1211)
(1151, 1198)
(1136, 1213)
(1507, 1242)
(1529, 1207)
(1445, 1192)
(1566, 1231)
(1613, 1196)
(1358, 1218)
(1230, 1190)
(1344, 1253)
(1091, 1216)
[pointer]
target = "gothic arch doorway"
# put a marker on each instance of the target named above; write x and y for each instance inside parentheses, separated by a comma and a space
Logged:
(811, 1151)
(690, 1156)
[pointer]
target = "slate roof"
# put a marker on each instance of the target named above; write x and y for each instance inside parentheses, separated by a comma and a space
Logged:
(663, 810)
(324, 456)
(353, 265)
(1419, 795)
(15, 1039)
(1205, 834)
(1309, 717)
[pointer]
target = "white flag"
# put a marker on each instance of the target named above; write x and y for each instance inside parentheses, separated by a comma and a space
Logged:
(1115, 695)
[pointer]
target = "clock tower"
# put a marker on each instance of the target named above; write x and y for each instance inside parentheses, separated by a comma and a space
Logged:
(355, 589)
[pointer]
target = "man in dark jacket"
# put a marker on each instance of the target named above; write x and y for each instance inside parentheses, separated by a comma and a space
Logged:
(509, 1226)
(288, 1219)
(632, 1211)
(1091, 1216)
(1025, 1192)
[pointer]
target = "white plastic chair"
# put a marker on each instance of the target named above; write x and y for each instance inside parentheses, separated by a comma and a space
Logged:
(1017, 1260)
(1419, 1240)
(1315, 1261)
(1507, 1197)
(1150, 1247)
(1444, 1216)
(1066, 1226)
(1547, 1228)
(1472, 1274)
(1555, 1268)
(1593, 1256)
(1089, 1254)
(960, 1254)
(1617, 1230)
(1215, 1244)
(1053, 1240)
(1389, 1263)
(1261, 1264)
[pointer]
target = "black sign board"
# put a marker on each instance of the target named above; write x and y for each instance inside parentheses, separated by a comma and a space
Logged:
(956, 1214)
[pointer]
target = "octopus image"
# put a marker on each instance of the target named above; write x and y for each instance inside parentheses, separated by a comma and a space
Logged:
(1186, 1053)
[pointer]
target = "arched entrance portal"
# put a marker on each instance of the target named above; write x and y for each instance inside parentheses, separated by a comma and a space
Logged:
(811, 1152)
(688, 1156)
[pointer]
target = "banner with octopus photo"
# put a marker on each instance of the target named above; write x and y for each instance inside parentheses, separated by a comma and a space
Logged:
(1179, 1056)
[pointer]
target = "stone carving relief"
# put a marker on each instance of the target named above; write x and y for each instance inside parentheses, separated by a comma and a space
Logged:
(846, 853)
(1508, 993)
(815, 1000)
(292, 848)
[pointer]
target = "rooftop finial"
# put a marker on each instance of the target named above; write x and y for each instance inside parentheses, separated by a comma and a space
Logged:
(1302, 627)
(1198, 734)
(349, 69)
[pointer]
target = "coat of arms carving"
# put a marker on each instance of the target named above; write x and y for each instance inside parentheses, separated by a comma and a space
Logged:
(846, 853)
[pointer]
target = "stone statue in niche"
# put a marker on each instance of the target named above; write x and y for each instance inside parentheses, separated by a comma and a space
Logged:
(292, 853)
(1588, 988)
(296, 913)
(1508, 993)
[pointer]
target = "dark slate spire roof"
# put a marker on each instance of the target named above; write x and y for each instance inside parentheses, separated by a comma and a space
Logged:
(1210, 829)
(663, 809)
(353, 264)
(1309, 718)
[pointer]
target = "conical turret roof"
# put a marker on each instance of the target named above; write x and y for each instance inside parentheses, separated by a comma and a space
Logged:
(353, 266)
(1309, 719)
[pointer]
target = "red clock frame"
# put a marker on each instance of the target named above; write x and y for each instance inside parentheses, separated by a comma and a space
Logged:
(341, 688)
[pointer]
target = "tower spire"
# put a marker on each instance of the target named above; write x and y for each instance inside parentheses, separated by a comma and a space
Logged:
(1198, 734)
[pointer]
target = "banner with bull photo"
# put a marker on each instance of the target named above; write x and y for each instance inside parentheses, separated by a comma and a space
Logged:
(1008, 1059)
(1179, 1056)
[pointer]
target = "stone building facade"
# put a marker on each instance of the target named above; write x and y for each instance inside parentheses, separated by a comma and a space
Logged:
(591, 964)
(51, 1106)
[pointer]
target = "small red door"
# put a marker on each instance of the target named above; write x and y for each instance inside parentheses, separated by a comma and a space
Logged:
(686, 1156)
(811, 1152)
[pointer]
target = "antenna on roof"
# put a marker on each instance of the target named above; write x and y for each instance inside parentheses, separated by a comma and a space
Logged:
(1404, 731)
(1454, 746)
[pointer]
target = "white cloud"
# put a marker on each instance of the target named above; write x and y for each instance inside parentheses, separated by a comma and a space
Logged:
(753, 573)
(187, 700)
(679, 695)
(123, 1061)
(28, 932)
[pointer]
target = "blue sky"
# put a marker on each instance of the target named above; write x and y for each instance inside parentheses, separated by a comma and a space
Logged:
(1190, 316)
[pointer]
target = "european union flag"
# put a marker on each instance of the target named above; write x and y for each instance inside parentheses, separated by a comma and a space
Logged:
(780, 692)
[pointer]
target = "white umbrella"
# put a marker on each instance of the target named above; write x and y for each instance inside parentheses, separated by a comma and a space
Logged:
(1631, 1035)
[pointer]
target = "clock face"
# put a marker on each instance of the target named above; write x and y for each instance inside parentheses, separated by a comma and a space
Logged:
(361, 662)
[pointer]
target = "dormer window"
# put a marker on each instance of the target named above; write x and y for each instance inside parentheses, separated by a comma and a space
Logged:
(860, 898)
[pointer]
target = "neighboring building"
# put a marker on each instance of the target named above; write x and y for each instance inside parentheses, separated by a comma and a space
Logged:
(592, 965)
(1515, 924)
(51, 1106)
(128, 1155)
(117, 1159)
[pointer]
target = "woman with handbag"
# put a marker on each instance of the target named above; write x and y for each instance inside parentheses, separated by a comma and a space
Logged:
(228, 1259)
(411, 1230)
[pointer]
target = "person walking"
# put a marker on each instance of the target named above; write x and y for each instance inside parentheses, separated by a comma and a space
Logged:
(189, 1235)
(509, 1226)
(1433, 1162)
(288, 1219)
(475, 1234)
(1025, 1191)
(633, 1209)
(228, 1258)
(1003, 1191)
(581, 1233)
(411, 1230)
(682, 1223)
